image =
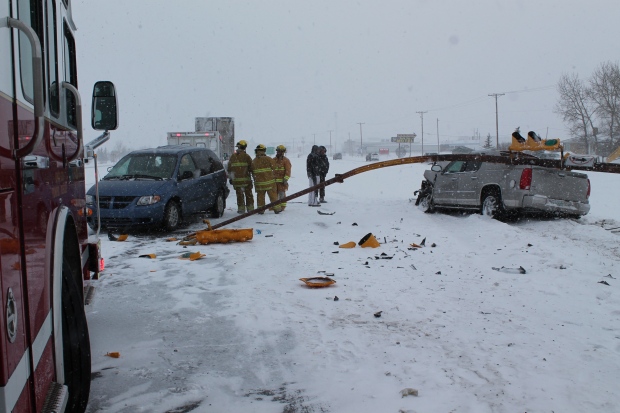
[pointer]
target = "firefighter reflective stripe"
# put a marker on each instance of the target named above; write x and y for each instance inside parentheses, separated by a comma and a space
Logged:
(257, 171)
(10, 393)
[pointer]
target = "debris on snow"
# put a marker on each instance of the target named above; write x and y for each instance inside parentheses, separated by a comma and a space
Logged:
(408, 392)
(519, 270)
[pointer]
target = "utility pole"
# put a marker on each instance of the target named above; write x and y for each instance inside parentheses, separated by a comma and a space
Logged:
(330, 142)
(422, 117)
(437, 136)
(496, 95)
(361, 142)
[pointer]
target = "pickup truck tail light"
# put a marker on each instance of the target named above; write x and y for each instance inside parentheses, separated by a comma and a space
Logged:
(588, 194)
(526, 179)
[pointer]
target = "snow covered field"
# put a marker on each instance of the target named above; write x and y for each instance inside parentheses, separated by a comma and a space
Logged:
(238, 332)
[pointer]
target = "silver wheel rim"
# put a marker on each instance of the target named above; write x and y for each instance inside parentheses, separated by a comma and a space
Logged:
(489, 206)
(173, 216)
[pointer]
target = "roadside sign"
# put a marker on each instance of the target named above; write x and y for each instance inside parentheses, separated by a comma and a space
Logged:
(404, 138)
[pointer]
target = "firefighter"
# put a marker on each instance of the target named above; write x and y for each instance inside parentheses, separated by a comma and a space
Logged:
(239, 169)
(282, 173)
(262, 170)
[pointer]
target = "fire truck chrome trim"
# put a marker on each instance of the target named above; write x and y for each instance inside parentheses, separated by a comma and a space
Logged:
(59, 236)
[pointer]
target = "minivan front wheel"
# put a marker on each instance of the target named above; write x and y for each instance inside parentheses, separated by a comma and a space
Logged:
(172, 216)
(217, 210)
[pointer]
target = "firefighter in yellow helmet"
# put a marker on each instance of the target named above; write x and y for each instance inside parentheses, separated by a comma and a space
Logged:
(282, 173)
(239, 169)
(262, 170)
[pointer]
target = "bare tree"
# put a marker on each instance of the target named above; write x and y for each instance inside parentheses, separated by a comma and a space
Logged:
(577, 108)
(605, 92)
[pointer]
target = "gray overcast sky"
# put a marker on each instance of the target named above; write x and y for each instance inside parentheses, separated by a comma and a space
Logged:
(291, 69)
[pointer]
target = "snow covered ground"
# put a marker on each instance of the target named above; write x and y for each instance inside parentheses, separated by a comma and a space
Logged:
(238, 332)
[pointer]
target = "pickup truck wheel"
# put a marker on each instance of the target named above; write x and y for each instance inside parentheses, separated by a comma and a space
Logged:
(218, 208)
(492, 205)
(426, 204)
(172, 216)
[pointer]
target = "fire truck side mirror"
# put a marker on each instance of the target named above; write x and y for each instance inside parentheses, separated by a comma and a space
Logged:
(104, 115)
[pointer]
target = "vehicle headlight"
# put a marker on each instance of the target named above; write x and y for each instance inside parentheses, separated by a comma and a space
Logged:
(149, 200)
(90, 199)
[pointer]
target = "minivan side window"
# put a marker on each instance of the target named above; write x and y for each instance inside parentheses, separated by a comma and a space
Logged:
(187, 164)
(203, 162)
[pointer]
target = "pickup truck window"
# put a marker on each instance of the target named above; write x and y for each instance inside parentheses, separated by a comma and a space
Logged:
(455, 166)
(472, 166)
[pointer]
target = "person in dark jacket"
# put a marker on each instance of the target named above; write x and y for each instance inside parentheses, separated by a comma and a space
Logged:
(323, 169)
(312, 168)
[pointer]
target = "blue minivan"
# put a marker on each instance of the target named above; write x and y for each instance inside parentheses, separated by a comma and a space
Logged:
(159, 188)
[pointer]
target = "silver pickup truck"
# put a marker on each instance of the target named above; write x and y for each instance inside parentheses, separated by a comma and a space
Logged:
(504, 190)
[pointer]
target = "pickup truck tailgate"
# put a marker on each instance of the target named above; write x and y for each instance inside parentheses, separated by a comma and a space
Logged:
(560, 185)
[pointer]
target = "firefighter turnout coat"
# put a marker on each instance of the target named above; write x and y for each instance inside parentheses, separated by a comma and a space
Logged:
(282, 172)
(262, 169)
(239, 168)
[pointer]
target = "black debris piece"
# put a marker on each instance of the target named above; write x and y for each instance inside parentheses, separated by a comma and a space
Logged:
(335, 252)
(610, 276)
(413, 266)
(366, 263)
(433, 245)
(519, 270)
(529, 245)
(603, 282)
(354, 224)
(423, 242)
(378, 314)
(329, 274)
(336, 243)
(111, 237)
(438, 273)
(336, 298)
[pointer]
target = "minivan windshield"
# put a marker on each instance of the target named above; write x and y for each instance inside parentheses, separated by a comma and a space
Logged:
(143, 166)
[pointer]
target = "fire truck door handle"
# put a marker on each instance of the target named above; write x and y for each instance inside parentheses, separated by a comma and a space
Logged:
(78, 121)
(37, 77)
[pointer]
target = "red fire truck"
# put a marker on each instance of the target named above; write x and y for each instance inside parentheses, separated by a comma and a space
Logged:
(46, 252)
